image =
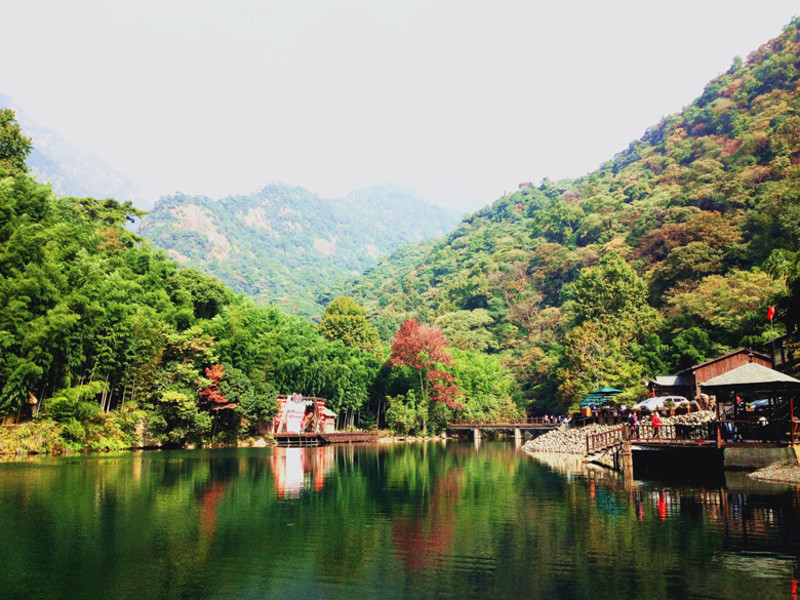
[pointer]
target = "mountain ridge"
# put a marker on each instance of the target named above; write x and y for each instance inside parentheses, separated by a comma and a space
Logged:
(283, 241)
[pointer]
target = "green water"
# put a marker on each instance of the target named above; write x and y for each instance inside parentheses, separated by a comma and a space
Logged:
(404, 521)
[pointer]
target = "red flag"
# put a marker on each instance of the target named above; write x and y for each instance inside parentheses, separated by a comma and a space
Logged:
(771, 313)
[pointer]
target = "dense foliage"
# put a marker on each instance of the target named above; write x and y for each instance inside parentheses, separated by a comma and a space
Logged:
(105, 342)
(665, 256)
(287, 246)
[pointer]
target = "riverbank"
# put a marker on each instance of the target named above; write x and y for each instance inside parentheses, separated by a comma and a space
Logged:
(569, 440)
(43, 438)
(778, 474)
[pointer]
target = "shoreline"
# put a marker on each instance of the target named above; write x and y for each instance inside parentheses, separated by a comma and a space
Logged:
(778, 473)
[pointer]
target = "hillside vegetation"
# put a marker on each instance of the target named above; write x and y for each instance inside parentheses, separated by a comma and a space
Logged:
(106, 343)
(665, 256)
(288, 246)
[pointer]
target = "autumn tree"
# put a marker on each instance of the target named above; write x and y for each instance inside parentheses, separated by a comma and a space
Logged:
(424, 349)
(212, 393)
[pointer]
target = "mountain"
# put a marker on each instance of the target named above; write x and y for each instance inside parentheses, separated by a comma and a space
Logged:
(287, 245)
(69, 170)
(667, 255)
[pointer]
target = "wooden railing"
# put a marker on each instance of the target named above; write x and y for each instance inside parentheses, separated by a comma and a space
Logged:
(509, 422)
(645, 431)
(730, 430)
(597, 442)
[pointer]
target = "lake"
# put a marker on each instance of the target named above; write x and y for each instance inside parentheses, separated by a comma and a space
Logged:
(385, 521)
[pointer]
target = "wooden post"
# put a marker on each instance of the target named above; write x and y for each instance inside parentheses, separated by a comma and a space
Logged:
(627, 456)
(791, 418)
(476, 433)
(517, 434)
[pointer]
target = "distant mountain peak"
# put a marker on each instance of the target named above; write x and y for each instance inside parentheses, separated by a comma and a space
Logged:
(285, 243)
(68, 169)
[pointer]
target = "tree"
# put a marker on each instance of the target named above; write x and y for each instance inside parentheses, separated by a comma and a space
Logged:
(14, 147)
(345, 320)
(424, 349)
(467, 329)
(212, 393)
(610, 292)
(731, 307)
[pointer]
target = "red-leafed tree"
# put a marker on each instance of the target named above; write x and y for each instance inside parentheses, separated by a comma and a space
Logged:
(444, 390)
(422, 347)
(212, 394)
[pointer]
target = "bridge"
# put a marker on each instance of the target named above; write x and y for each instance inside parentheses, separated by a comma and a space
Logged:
(531, 425)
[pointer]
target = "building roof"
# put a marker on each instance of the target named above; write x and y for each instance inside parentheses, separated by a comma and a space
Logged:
(723, 357)
(751, 376)
(670, 380)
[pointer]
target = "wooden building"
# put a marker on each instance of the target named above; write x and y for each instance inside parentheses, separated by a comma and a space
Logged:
(687, 382)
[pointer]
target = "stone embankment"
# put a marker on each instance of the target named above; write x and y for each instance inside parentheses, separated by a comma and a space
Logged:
(695, 418)
(565, 439)
(572, 440)
(779, 473)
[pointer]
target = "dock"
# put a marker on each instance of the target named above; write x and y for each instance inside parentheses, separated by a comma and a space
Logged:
(321, 439)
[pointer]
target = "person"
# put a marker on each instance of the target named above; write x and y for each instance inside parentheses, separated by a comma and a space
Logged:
(308, 420)
(763, 423)
(633, 421)
(656, 423)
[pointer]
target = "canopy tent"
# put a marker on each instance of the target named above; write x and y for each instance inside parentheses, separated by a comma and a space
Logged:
(600, 397)
(751, 377)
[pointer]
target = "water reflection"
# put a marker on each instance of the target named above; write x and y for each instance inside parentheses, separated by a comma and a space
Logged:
(742, 512)
(405, 521)
(300, 469)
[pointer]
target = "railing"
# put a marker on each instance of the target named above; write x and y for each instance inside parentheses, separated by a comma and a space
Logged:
(645, 431)
(723, 431)
(597, 442)
(519, 421)
(732, 431)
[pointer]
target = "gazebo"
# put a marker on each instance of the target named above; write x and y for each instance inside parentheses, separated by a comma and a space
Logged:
(752, 378)
(755, 380)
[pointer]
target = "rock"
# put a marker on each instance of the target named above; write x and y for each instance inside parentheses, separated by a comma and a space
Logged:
(565, 440)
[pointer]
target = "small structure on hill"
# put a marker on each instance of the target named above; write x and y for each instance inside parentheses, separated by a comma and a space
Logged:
(689, 381)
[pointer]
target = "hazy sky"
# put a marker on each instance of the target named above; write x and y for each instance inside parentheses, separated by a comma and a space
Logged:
(456, 99)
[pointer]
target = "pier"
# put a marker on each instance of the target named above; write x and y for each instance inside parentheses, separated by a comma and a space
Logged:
(321, 439)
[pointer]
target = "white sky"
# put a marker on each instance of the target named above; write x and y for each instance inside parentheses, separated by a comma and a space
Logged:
(457, 99)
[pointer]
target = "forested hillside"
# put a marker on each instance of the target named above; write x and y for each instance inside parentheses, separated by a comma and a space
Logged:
(668, 254)
(107, 343)
(288, 246)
